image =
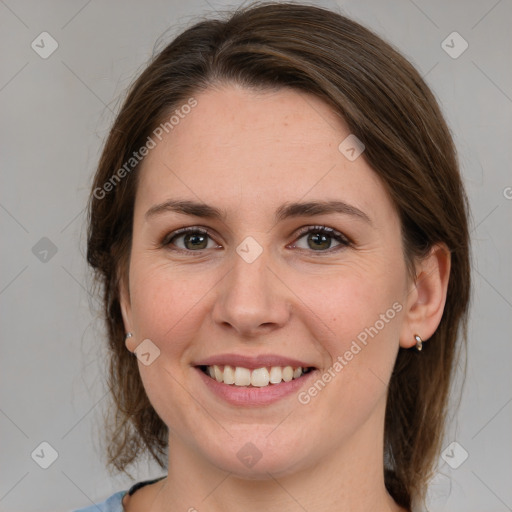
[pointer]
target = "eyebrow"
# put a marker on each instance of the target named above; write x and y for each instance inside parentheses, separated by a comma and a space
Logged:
(285, 211)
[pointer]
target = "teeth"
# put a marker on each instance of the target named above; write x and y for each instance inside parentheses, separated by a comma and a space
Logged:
(276, 374)
(217, 374)
(287, 373)
(242, 376)
(228, 375)
(259, 377)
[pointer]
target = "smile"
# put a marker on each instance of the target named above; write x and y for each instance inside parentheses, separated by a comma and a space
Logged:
(258, 377)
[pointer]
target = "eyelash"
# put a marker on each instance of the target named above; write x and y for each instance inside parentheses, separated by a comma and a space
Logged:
(339, 237)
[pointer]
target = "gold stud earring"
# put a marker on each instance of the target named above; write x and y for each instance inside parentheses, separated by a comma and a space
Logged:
(419, 343)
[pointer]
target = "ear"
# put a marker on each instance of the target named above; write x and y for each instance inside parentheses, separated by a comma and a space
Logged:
(126, 311)
(427, 296)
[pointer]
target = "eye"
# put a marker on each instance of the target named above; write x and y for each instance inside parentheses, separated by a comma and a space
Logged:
(193, 239)
(320, 238)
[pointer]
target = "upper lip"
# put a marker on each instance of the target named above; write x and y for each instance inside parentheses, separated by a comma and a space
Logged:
(251, 362)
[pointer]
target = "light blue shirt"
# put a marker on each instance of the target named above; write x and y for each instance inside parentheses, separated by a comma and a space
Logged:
(112, 504)
(115, 502)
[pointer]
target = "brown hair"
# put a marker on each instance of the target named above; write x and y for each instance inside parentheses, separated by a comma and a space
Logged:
(387, 105)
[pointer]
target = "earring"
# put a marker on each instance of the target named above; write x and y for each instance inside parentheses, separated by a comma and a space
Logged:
(129, 335)
(419, 343)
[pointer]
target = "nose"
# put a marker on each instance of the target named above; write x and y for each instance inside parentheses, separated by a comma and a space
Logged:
(251, 298)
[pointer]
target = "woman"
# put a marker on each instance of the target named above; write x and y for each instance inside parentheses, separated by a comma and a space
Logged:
(278, 224)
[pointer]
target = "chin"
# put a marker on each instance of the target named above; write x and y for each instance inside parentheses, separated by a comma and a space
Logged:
(255, 460)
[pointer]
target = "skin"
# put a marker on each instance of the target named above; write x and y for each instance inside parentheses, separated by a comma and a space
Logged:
(249, 152)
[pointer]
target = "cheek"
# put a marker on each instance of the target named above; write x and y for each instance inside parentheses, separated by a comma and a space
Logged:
(163, 303)
(355, 303)
(362, 312)
(165, 308)
(356, 300)
(362, 315)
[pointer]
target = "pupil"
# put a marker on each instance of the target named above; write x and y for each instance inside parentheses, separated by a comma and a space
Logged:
(322, 241)
(196, 240)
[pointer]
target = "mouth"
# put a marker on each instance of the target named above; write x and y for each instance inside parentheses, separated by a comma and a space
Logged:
(266, 376)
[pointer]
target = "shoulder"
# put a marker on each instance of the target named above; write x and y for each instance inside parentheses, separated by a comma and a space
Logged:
(112, 504)
(115, 502)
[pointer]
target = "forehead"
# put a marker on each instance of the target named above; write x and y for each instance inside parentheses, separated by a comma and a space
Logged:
(241, 148)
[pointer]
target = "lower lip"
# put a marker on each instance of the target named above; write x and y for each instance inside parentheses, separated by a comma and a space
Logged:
(254, 396)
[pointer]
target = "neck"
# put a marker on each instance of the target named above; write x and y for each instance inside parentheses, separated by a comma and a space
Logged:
(349, 478)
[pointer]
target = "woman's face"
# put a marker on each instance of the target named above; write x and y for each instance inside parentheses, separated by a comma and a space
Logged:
(253, 289)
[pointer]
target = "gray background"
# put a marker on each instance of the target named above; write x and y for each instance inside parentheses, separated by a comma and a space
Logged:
(55, 113)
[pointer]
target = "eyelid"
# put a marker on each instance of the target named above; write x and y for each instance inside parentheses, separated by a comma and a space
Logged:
(183, 231)
(343, 240)
(325, 229)
(173, 234)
